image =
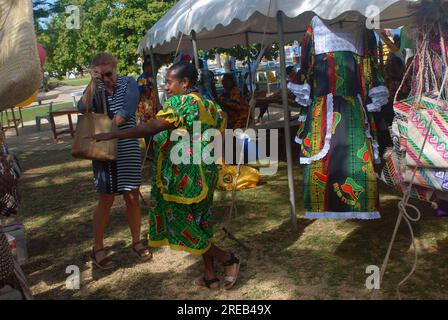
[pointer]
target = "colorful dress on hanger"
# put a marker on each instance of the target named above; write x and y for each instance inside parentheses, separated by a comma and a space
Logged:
(147, 106)
(183, 192)
(236, 107)
(340, 86)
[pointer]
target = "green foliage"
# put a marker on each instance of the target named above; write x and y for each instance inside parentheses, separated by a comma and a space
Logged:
(115, 26)
(240, 52)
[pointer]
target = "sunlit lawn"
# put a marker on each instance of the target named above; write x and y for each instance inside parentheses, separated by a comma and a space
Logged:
(29, 114)
(81, 81)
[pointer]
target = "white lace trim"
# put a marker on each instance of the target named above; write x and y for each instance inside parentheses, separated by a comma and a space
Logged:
(302, 93)
(326, 147)
(343, 215)
(379, 96)
(297, 139)
(334, 38)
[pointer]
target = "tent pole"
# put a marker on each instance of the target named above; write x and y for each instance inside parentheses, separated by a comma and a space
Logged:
(195, 49)
(154, 76)
(381, 54)
(249, 62)
(287, 117)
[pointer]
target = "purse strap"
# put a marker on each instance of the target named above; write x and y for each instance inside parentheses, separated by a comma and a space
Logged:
(103, 101)
(424, 59)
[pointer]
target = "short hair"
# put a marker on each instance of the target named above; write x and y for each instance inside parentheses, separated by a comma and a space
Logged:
(184, 69)
(104, 59)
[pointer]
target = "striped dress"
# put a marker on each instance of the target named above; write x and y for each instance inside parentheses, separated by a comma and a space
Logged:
(124, 174)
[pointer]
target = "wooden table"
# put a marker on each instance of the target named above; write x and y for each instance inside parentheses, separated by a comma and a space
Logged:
(58, 113)
(15, 122)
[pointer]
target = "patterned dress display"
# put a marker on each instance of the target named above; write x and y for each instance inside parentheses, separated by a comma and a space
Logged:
(147, 106)
(340, 85)
(183, 192)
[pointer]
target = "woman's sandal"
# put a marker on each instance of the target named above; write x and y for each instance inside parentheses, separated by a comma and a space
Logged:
(105, 264)
(143, 253)
(229, 281)
(202, 282)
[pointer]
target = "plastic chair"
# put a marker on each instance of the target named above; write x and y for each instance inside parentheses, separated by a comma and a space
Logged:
(46, 117)
(75, 97)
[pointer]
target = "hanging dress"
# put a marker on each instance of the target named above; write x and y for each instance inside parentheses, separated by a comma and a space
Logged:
(147, 105)
(340, 86)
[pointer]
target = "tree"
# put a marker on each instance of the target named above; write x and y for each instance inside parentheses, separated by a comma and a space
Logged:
(115, 26)
(240, 52)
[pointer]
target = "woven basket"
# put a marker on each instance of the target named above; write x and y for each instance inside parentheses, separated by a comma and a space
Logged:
(20, 70)
(9, 178)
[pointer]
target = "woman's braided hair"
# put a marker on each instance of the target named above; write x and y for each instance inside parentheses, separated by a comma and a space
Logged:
(187, 70)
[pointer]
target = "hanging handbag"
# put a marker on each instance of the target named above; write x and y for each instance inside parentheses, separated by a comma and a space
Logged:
(20, 68)
(88, 125)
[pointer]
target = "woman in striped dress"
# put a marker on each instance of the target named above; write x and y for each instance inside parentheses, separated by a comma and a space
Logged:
(122, 176)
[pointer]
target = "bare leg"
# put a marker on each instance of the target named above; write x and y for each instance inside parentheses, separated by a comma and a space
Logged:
(134, 214)
(209, 267)
(135, 223)
(209, 273)
(216, 252)
(223, 256)
(101, 219)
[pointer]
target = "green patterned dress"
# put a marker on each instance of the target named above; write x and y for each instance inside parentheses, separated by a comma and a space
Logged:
(340, 88)
(183, 192)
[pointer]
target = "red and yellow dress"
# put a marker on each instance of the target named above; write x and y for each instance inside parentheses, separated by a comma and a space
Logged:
(147, 106)
(236, 107)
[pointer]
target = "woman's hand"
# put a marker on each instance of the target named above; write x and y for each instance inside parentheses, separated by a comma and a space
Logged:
(96, 78)
(101, 137)
(96, 75)
(119, 120)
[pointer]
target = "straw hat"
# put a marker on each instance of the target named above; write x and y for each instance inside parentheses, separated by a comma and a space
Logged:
(20, 70)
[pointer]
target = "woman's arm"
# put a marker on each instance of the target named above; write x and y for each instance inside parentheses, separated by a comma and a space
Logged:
(150, 128)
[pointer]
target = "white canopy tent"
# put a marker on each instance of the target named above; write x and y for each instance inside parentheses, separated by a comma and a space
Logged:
(226, 23)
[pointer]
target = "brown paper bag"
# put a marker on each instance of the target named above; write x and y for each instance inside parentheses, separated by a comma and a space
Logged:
(88, 125)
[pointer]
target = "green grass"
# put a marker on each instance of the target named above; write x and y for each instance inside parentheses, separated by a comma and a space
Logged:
(321, 259)
(30, 114)
(73, 82)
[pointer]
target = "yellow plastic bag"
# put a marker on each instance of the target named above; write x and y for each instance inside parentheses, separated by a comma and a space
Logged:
(248, 179)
